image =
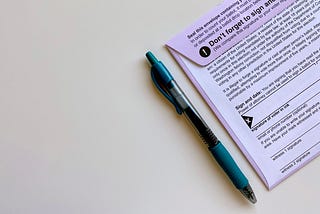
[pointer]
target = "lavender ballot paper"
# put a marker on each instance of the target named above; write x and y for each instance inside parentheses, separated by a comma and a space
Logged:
(256, 63)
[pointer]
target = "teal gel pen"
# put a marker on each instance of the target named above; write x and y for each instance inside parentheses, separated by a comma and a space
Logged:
(165, 83)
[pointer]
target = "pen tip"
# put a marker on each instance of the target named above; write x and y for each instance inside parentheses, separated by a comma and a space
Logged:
(249, 194)
(151, 58)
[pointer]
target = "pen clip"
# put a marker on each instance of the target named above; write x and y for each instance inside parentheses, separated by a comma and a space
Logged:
(163, 91)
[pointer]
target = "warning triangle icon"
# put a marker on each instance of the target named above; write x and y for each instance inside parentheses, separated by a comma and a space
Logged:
(248, 120)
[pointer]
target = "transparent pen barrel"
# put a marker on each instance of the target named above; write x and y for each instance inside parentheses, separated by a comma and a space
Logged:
(179, 97)
(192, 115)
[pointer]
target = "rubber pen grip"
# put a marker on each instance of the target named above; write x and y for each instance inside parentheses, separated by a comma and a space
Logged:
(230, 167)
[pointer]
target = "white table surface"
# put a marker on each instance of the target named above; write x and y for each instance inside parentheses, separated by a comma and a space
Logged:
(83, 130)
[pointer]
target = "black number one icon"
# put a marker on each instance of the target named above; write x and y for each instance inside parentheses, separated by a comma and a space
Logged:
(204, 51)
